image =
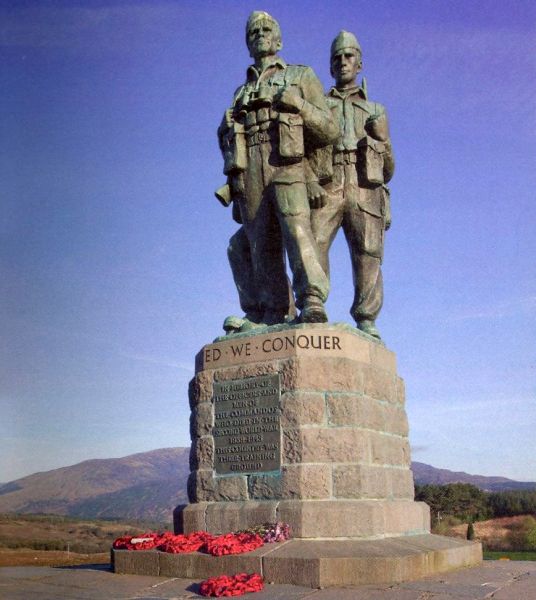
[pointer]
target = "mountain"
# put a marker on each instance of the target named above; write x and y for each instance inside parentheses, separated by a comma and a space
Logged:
(423, 474)
(141, 486)
(148, 486)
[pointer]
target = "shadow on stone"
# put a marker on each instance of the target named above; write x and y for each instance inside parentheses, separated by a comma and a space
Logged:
(88, 567)
(194, 587)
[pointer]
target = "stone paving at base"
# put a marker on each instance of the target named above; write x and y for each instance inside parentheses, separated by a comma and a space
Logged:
(500, 580)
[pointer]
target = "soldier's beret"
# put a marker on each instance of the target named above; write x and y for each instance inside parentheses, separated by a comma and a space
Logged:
(344, 39)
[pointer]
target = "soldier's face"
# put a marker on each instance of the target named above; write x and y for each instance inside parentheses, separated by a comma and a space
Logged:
(263, 39)
(345, 66)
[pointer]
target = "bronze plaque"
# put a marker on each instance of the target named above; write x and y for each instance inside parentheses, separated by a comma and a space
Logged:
(247, 431)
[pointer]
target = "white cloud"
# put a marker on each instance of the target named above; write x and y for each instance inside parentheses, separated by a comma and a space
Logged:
(161, 361)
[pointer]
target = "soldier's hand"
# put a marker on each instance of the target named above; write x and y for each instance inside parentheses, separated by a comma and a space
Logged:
(236, 185)
(376, 126)
(317, 196)
(289, 100)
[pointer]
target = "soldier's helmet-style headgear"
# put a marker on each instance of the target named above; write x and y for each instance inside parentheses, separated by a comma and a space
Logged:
(260, 16)
(345, 39)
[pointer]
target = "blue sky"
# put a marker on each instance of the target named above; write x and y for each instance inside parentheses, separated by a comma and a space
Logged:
(113, 263)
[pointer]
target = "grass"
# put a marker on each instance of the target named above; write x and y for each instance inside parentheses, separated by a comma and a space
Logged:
(41, 558)
(60, 519)
(497, 555)
(55, 533)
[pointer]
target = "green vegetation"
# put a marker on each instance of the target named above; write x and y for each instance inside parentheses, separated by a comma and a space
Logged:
(497, 555)
(522, 535)
(469, 503)
(509, 504)
(461, 500)
(444, 525)
(457, 503)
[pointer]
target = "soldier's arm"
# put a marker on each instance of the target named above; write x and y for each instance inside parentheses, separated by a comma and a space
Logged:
(228, 117)
(223, 129)
(388, 163)
(306, 97)
(377, 126)
(316, 195)
(319, 124)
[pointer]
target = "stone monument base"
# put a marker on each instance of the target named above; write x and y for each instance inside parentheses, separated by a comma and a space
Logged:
(304, 424)
(365, 519)
(316, 563)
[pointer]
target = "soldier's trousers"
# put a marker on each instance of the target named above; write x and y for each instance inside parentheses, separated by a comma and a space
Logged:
(283, 222)
(364, 233)
(276, 218)
(239, 254)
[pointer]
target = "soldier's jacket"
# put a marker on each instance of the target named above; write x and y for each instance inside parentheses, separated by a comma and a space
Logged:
(364, 139)
(296, 135)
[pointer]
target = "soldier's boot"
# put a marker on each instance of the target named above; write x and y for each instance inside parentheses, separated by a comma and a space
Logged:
(369, 327)
(313, 311)
(274, 317)
(234, 324)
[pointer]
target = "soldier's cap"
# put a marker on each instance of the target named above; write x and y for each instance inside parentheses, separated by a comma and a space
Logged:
(261, 15)
(344, 39)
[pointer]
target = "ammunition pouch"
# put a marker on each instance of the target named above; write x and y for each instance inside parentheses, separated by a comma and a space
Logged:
(234, 149)
(291, 145)
(370, 162)
(321, 163)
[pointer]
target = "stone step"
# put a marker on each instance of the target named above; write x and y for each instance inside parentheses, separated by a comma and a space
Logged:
(316, 563)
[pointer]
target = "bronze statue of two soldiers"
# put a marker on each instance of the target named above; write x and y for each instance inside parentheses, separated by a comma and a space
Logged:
(299, 166)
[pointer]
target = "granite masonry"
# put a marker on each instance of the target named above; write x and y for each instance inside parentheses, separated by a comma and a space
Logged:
(306, 425)
(311, 427)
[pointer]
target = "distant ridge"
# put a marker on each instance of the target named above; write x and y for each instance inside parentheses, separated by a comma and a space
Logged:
(423, 474)
(140, 486)
(149, 485)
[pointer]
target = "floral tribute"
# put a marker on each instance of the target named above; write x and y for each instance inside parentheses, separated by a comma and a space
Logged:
(271, 532)
(217, 545)
(234, 543)
(234, 585)
(144, 541)
(181, 544)
(201, 541)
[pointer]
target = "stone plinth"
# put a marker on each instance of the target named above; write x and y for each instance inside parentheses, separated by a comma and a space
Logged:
(344, 451)
(316, 563)
(305, 425)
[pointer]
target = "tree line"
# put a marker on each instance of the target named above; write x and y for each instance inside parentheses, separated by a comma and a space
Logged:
(469, 503)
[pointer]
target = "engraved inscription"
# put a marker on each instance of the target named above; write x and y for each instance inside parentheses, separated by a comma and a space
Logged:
(273, 345)
(247, 433)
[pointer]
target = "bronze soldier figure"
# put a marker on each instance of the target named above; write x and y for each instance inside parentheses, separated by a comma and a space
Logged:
(239, 255)
(277, 117)
(358, 196)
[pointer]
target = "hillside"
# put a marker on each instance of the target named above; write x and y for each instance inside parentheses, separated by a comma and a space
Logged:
(149, 485)
(146, 485)
(423, 474)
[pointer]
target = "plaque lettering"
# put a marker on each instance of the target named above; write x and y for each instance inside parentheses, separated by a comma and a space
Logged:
(247, 432)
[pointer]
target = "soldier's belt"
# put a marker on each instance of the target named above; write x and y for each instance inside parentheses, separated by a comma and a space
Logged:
(345, 158)
(258, 137)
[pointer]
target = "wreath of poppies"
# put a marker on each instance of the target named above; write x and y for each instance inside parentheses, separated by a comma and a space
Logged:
(234, 585)
(181, 544)
(220, 545)
(201, 541)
